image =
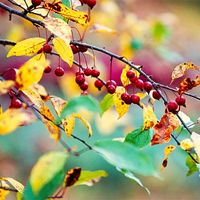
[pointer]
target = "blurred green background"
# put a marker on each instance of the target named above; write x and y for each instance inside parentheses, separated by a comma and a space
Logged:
(157, 34)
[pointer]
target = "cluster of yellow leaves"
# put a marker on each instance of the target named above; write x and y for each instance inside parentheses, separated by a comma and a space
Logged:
(182, 68)
(73, 15)
(167, 151)
(163, 129)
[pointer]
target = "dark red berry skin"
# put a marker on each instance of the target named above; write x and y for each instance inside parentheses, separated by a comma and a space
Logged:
(36, 2)
(148, 86)
(82, 49)
(134, 79)
(111, 89)
(135, 99)
(87, 71)
(172, 106)
(47, 69)
(80, 79)
(90, 3)
(111, 82)
(139, 84)
(47, 48)
(59, 71)
(130, 74)
(74, 49)
(79, 73)
(126, 98)
(15, 103)
(40, 51)
(95, 73)
(180, 101)
(84, 86)
(156, 95)
(98, 84)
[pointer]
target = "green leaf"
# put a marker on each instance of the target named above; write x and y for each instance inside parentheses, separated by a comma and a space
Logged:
(74, 104)
(139, 137)
(133, 177)
(191, 165)
(136, 44)
(106, 103)
(90, 177)
(46, 176)
(125, 156)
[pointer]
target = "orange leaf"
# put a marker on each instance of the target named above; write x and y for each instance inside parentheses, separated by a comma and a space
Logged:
(181, 69)
(163, 130)
(187, 84)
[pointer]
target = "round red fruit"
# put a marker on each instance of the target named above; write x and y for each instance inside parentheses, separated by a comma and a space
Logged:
(111, 89)
(95, 73)
(84, 86)
(36, 2)
(126, 98)
(148, 86)
(47, 48)
(90, 3)
(134, 79)
(82, 49)
(74, 49)
(47, 69)
(139, 84)
(172, 106)
(15, 103)
(98, 84)
(135, 99)
(80, 79)
(180, 101)
(59, 71)
(111, 82)
(87, 71)
(130, 74)
(156, 95)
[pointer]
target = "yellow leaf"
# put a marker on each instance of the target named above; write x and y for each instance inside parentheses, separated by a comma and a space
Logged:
(32, 71)
(27, 47)
(5, 86)
(40, 90)
(186, 144)
(141, 95)
(73, 15)
(84, 121)
(168, 150)
(124, 79)
(68, 125)
(196, 141)
(181, 69)
(64, 50)
(16, 116)
(48, 119)
(149, 117)
(120, 106)
(10, 183)
(23, 3)
(3, 193)
(58, 104)
(59, 28)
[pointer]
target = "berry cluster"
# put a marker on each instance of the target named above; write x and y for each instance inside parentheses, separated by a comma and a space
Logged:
(174, 105)
(78, 49)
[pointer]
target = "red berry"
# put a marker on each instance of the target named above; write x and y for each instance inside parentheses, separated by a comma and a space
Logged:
(59, 71)
(36, 2)
(135, 99)
(148, 86)
(15, 103)
(79, 73)
(47, 69)
(139, 84)
(74, 49)
(134, 79)
(180, 101)
(126, 98)
(98, 84)
(40, 51)
(82, 49)
(156, 95)
(90, 3)
(130, 74)
(47, 48)
(111, 89)
(80, 79)
(111, 82)
(84, 86)
(87, 71)
(172, 106)
(95, 73)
